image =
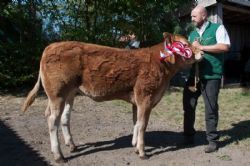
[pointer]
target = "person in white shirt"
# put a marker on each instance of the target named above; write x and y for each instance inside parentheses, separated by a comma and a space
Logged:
(205, 76)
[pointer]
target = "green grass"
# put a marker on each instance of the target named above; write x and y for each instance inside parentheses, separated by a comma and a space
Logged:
(234, 110)
(235, 117)
(224, 157)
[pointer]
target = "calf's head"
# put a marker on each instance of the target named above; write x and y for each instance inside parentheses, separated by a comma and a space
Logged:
(179, 50)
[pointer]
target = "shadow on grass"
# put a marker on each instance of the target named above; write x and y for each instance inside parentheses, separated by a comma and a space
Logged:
(156, 142)
(238, 132)
(14, 151)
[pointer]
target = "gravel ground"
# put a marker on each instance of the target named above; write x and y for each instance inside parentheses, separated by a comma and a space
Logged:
(102, 133)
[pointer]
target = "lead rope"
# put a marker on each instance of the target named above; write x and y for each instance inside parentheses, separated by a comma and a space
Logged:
(196, 79)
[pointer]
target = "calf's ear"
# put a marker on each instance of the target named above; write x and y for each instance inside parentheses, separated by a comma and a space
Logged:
(168, 37)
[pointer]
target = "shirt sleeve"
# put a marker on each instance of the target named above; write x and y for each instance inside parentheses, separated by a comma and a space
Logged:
(222, 36)
(136, 44)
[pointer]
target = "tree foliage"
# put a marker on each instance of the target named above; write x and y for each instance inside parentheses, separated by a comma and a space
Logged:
(21, 42)
(103, 21)
(27, 26)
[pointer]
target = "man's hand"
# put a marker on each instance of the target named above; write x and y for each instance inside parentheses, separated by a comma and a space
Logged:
(217, 48)
(197, 45)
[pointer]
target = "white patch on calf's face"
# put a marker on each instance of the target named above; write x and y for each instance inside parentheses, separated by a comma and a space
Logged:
(198, 56)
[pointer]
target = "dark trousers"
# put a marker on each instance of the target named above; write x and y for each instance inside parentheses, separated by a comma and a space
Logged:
(209, 89)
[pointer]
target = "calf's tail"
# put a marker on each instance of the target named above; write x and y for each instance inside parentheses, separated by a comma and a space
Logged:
(32, 95)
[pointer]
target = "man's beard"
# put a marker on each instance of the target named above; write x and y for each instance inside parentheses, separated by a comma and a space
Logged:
(198, 25)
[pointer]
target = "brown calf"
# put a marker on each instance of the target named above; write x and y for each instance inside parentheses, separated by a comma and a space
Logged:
(103, 73)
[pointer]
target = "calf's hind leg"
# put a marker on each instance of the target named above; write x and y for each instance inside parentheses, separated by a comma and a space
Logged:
(56, 108)
(65, 123)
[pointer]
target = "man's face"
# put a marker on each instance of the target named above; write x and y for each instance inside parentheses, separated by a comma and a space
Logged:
(197, 18)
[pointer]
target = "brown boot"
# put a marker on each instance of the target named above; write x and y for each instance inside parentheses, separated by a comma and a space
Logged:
(211, 147)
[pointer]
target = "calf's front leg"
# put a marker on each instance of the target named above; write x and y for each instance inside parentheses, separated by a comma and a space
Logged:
(143, 114)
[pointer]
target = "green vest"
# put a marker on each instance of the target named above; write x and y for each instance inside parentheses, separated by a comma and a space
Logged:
(211, 66)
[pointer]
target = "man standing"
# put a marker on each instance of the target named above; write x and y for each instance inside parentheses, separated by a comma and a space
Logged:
(214, 41)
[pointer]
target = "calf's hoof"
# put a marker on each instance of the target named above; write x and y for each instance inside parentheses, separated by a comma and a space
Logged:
(73, 148)
(136, 151)
(60, 160)
(144, 157)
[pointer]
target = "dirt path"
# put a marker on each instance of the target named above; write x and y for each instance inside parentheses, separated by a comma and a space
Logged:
(102, 132)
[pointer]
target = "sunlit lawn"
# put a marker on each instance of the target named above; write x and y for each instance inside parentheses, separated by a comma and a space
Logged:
(234, 105)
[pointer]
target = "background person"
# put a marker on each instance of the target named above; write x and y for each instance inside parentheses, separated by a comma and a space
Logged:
(133, 42)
